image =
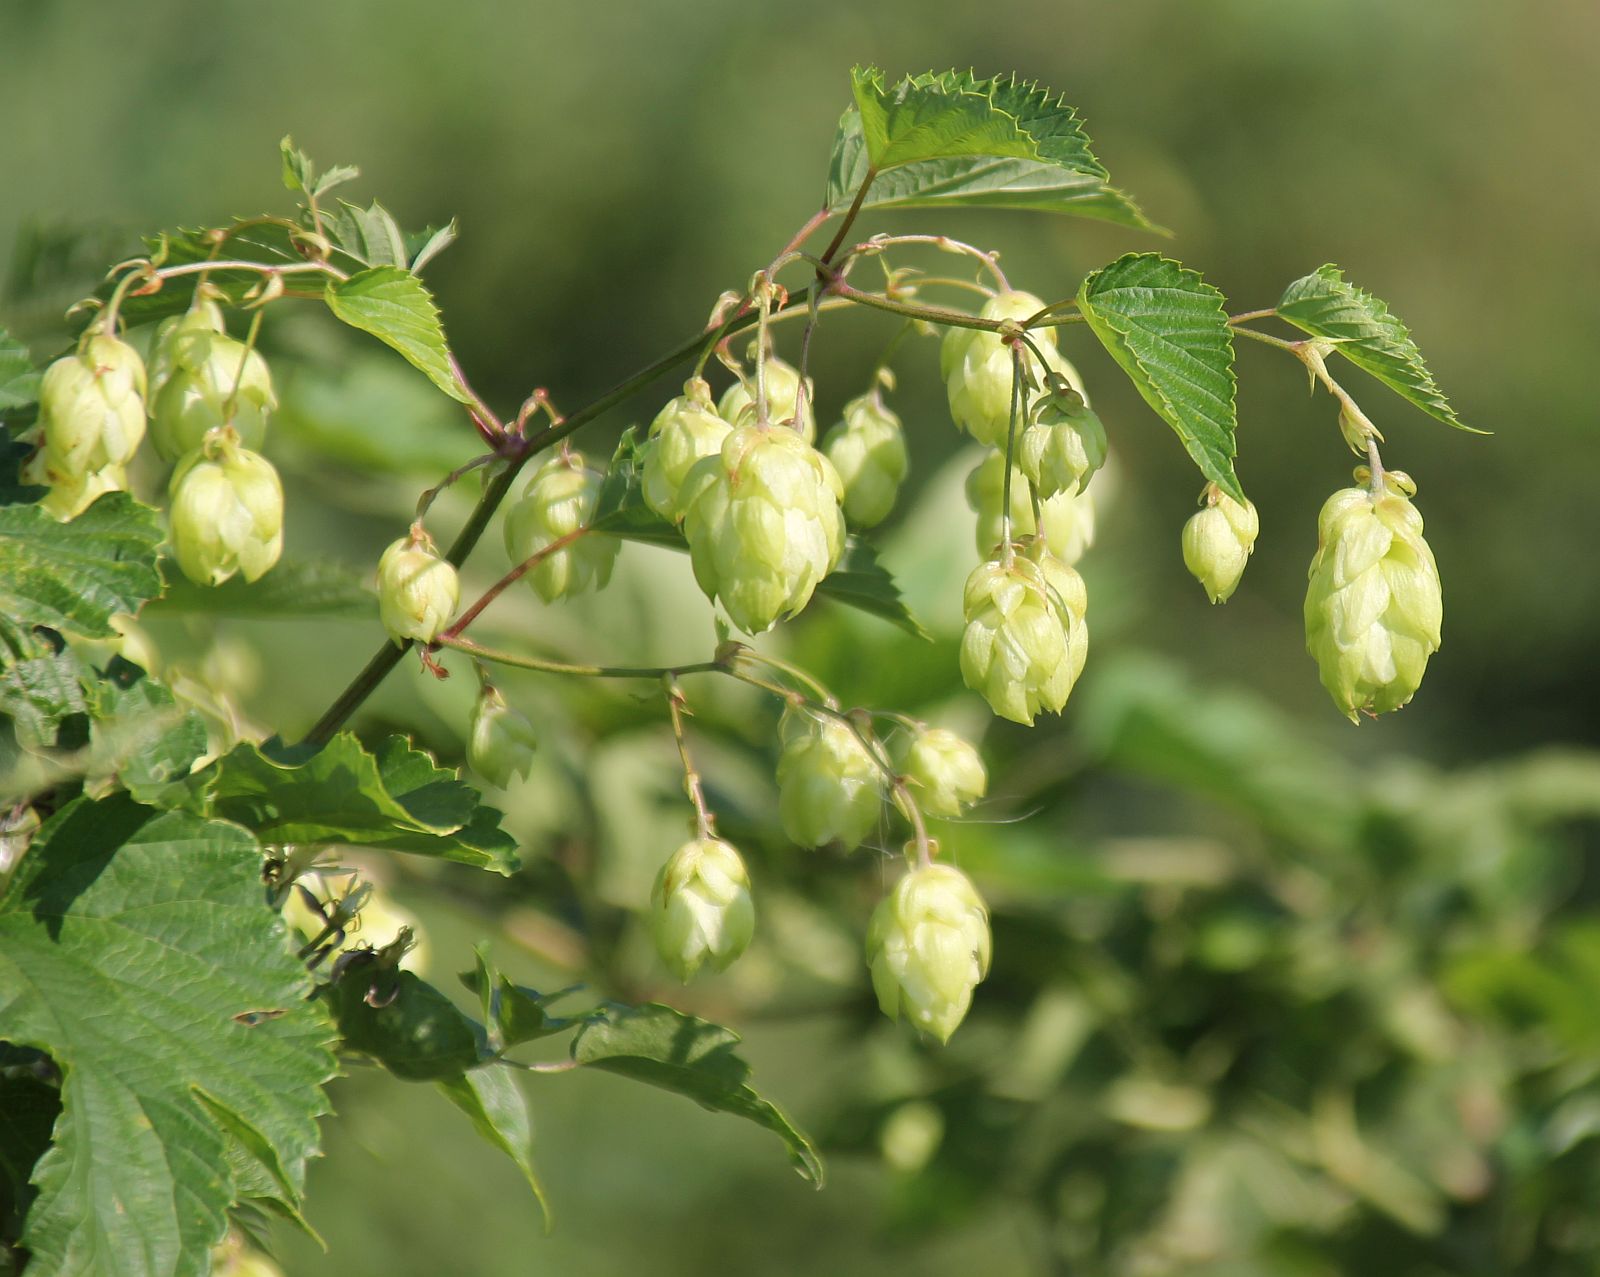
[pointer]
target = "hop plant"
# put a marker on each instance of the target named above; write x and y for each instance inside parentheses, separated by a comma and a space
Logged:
(1374, 605)
(977, 368)
(70, 494)
(701, 911)
(1217, 541)
(226, 511)
(1069, 517)
(1026, 639)
(764, 524)
(502, 742)
(829, 785)
(947, 771)
(559, 501)
(1064, 446)
(91, 411)
(417, 589)
(868, 449)
(201, 378)
(738, 404)
(687, 429)
(928, 947)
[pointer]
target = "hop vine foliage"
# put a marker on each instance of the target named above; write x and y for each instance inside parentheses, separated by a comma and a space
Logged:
(734, 481)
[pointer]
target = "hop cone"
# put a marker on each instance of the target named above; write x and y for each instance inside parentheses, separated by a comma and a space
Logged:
(829, 786)
(928, 946)
(91, 410)
(1064, 446)
(70, 493)
(783, 391)
(558, 501)
(227, 513)
(1218, 540)
(502, 742)
(1068, 515)
(417, 590)
(763, 523)
(701, 909)
(687, 429)
(868, 449)
(1373, 605)
(201, 378)
(977, 368)
(1026, 639)
(946, 771)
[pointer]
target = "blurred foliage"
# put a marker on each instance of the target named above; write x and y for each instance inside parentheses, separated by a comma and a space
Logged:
(1271, 995)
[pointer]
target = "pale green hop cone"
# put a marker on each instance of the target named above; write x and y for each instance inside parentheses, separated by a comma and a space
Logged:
(738, 403)
(928, 946)
(503, 740)
(684, 431)
(226, 508)
(1026, 639)
(1374, 604)
(764, 524)
(200, 379)
(1217, 542)
(70, 494)
(977, 368)
(1064, 446)
(417, 589)
(946, 773)
(1069, 517)
(560, 499)
(868, 449)
(829, 786)
(91, 409)
(700, 908)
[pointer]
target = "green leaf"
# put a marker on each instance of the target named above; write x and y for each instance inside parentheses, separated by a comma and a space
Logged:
(268, 244)
(295, 588)
(396, 308)
(1326, 305)
(398, 798)
(75, 576)
(514, 1013)
(144, 736)
(299, 174)
(1168, 329)
(499, 1113)
(859, 580)
(137, 951)
(19, 380)
(428, 243)
(1042, 159)
(401, 1020)
(369, 236)
(38, 692)
(677, 1052)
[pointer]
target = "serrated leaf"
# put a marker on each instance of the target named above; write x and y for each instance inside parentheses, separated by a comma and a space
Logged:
(295, 588)
(75, 576)
(369, 236)
(38, 692)
(428, 243)
(137, 951)
(1044, 164)
(514, 1013)
(499, 1112)
(397, 798)
(297, 168)
(142, 734)
(692, 1057)
(1364, 331)
(933, 116)
(402, 1021)
(1168, 329)
(859, 580)
(396, 307)
(19, 379)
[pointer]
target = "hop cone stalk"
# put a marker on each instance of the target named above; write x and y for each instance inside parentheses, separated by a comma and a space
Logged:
(559, 500)
(947, 771)
(91, 410)
(1218, 540)
(977, 368)
(226, 507)
(417, 589)
(868, 449)
(1068, 516)
(738, 405)
(829, 785)
(928, 947)
(763, 523)
(687, 429)
(701, 909)
(200, 379)
(1064, 446)
(1374, 604)
(1026, 639)
(502, 741)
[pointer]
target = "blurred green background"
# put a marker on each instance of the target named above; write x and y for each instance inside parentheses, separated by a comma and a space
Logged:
(1273, 994)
